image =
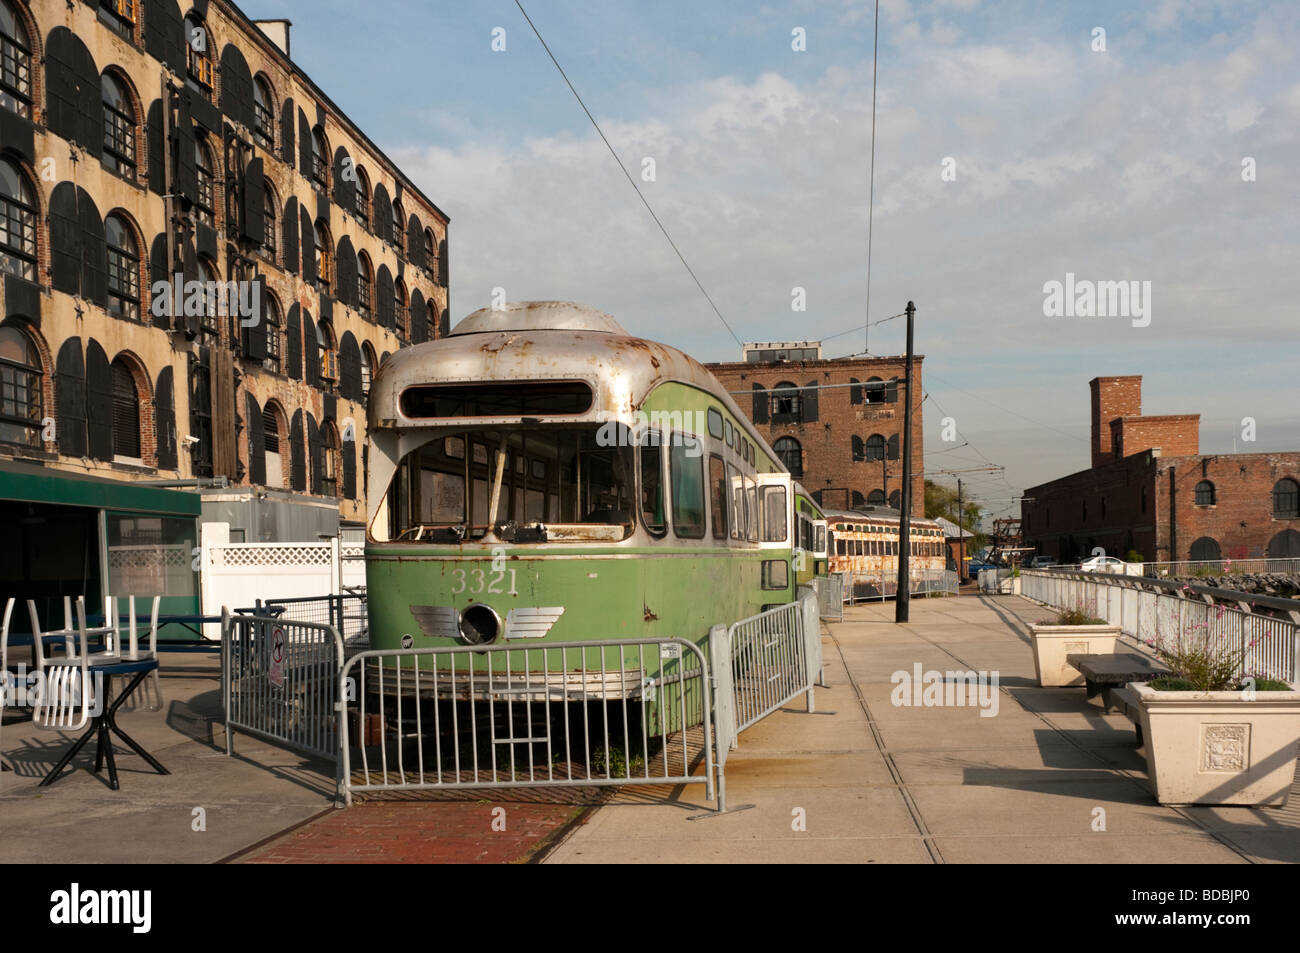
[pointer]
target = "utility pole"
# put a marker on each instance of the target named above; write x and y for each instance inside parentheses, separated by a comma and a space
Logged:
(902, 601)
(961, 536)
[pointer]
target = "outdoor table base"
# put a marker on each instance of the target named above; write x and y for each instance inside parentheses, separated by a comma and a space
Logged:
(104, 726)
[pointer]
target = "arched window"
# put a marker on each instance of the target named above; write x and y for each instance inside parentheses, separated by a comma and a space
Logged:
(874, 395)
(876, 498)
(203, 168)
(858, 499)
(17, 223)
(1205, 493)
(15, 62)
(324, 255)
(1286, 499)
(198, 55)
(274, 324)
(263, 113)
(126, 413)
(270, 233)
(859, 454)
(329, 448)
(367, 362)
(271, 445)
(430, 250)
(119, 127)
(365, 283)
(320, 161)
(363, 198)
(1205, 549)
(785, 403)
(876, 447)
(21, 399)
(791, 455)
(329, 365)
(399, 227)
(209, 319)
(123, 268)
(896, 499)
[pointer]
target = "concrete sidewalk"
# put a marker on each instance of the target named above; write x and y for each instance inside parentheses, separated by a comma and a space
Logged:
(1049, 779)
(152, 818)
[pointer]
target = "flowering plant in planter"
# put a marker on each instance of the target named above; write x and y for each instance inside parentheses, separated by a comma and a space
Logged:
(1205, 662)
(1215, 734)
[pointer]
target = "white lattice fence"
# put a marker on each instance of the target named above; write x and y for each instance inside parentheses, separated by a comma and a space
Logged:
(236, 575)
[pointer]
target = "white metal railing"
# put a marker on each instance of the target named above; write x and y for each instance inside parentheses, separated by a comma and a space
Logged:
(1221, 567)
(1268, 644)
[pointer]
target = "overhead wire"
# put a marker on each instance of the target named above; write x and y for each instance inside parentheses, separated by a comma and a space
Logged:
(628, 175)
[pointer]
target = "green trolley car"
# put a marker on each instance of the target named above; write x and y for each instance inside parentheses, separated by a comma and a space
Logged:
(542, 476)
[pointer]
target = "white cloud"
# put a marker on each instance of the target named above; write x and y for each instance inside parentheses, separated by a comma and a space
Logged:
(1108, 167)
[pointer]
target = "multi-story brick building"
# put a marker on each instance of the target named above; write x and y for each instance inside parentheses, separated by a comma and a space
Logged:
(1151, 490)
(145, 140)
(837, 424)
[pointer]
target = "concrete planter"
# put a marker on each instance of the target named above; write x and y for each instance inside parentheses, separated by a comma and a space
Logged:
(1052, 643)
(1219, 748)
(1009, 586)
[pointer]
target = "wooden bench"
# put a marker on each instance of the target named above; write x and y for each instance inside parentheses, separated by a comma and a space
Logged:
(1108, 674)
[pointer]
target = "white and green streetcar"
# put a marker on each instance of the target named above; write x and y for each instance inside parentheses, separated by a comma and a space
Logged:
(541, 476)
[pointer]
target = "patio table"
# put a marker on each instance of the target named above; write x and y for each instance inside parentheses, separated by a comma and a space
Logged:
(104, 725)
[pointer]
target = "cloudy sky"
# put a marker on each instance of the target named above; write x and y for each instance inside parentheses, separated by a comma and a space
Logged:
(1117, 165)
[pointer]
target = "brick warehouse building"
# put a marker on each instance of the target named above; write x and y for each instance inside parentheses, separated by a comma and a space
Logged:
(141, 139)
(837, 424)
(1150, 489)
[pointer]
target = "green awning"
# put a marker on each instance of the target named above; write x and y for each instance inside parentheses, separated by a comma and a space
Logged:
(38, 484)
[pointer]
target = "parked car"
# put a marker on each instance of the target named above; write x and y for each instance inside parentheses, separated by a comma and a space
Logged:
(1103, 564)
(1042, 562)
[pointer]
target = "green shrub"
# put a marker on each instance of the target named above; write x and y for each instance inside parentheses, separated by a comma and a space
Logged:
(1133, 556)
(1077, 616)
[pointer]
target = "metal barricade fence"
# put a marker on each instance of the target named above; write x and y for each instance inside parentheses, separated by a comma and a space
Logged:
(830, 596)
(574, 714)
(760, 664)
(346, 612)
(279, 681)
(1268, 645)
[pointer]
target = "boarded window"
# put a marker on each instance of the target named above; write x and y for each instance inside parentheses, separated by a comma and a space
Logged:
(164, 420)
(126, 413)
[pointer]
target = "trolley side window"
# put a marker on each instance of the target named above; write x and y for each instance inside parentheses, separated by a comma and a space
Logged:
(687, 464)
(719, 505)
(652, 484)
(775, 521)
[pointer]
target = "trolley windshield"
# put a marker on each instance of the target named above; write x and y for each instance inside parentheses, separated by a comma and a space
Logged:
(519, 484)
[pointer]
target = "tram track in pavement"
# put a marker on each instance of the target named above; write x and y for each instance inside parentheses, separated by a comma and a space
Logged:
(913, 809)
(1128, 775)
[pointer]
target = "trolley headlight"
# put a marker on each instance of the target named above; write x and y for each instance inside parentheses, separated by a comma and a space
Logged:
(479, 624)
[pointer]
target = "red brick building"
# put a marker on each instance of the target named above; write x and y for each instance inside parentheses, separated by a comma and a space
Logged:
(837, 424)
(1151, 490)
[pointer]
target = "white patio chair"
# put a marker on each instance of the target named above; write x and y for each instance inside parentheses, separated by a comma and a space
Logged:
(7, 681)
(133, 650)
(64, 698)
